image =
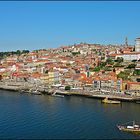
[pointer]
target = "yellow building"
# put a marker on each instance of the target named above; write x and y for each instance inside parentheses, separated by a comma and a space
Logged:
(51, 77)
(45, 78)
(124, 85)
(54, 77)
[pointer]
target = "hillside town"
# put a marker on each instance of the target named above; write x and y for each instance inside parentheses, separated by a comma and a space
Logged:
(114, 68)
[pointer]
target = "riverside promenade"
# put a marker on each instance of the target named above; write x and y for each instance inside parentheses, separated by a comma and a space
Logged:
(100, 95)
(18, 86)
(15, 86)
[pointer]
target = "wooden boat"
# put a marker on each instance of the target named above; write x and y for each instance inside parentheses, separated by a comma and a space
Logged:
(134, 128)
(107, 101)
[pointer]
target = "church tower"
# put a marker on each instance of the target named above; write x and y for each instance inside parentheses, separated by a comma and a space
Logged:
(126, 42)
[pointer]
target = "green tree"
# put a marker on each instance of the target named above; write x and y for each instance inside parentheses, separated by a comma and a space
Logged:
(109, 61)
(46, 71)
(97, 68)
(91, 69)
(68, 64)
(130, 66)
(119, 59)
(25, 51)
(18, 52)
(118, 65)
(75, 53)
(102, 64)
(94, 50)
(107, 68)
(136, 72)
(124, 75)
(67, 87)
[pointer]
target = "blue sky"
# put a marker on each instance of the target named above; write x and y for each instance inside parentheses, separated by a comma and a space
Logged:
(34, 25)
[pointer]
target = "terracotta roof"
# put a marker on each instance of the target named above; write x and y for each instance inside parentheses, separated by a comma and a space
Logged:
(134, 83)
(113, 54)
(19, 74)
(35, 74)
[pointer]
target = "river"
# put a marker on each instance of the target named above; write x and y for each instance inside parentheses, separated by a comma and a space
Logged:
(25, 116)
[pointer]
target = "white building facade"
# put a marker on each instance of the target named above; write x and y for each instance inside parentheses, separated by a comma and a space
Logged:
(129, 56)
(137, 45)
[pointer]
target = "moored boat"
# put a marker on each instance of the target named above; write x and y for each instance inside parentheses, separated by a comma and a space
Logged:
(23, 91)
(57, 95)
(35, 92)
(134, 128)
(107, 101)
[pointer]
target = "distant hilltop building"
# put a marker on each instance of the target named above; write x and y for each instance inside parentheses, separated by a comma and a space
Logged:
(137, 45)
(127, 53)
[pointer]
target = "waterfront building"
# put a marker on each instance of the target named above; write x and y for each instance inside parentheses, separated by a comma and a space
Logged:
(133, 85)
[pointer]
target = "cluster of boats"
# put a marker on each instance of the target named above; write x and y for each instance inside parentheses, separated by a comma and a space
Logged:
(37, 92)
(34, 92)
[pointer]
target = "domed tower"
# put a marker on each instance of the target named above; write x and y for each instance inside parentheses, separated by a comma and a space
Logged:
(137, 45)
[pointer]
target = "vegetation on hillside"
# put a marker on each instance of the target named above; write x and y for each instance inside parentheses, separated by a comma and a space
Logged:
(18, 52)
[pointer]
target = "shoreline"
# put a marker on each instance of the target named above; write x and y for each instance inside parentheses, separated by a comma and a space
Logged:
(94, 94)
(101, 96)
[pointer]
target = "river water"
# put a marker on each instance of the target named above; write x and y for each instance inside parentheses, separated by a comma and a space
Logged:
(46, 117)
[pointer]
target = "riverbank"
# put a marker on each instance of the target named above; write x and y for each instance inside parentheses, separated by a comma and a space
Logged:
(17, 87)
(99, 95)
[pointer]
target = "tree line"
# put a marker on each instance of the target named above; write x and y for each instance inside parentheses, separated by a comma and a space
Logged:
(8, 53)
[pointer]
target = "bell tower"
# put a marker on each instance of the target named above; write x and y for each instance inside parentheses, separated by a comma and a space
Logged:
(126, 41)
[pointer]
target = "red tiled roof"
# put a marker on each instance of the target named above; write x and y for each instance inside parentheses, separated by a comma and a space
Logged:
(35, 74)
(112, 54)
(19, 74)
(134, 83)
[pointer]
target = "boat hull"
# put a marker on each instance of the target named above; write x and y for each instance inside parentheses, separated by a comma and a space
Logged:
(122, 128)
(62, 96)
(110, 102)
